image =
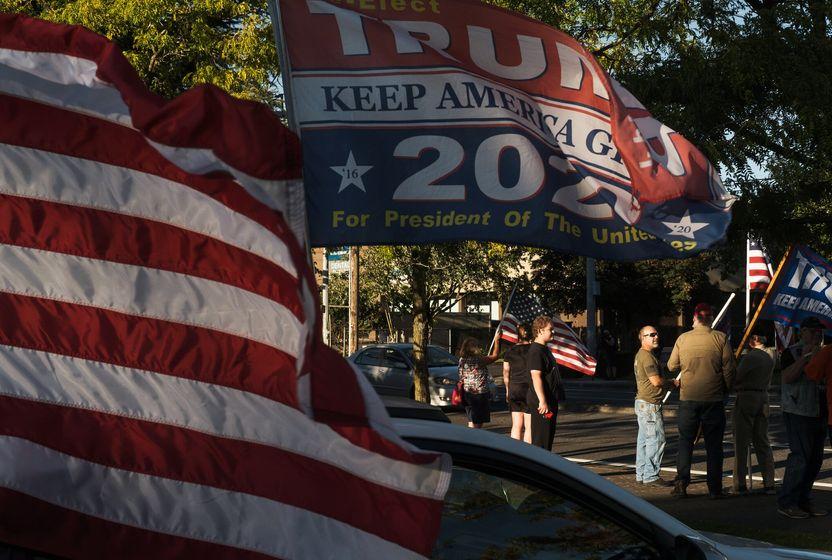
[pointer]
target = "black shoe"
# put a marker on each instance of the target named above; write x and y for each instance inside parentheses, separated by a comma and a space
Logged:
(680, 489)
(793, 513)
(814, 511)
(717, 495)
(770, 491)
(659, 482)
(741, 491)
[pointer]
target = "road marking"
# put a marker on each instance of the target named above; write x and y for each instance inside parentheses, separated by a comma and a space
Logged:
(820, 485)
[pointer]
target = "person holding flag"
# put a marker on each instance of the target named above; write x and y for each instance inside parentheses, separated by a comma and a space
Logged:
(651, 389)
(804, 414)
(474, 376)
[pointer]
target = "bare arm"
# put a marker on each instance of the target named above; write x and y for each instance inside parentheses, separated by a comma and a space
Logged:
(537, 382)
(656, 381)
(495, 350)
(506, 372)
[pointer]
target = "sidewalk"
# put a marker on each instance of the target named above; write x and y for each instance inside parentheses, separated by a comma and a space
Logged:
(753, 517)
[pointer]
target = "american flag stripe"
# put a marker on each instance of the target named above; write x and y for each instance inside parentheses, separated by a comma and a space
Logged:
(178, 402)
(92, 537)
(144, 447)
(150, 292)
(177, 350)
(96, 234)
(758, 267)
(161, 339)
(190, 510)
(49, 176)
(565, 346)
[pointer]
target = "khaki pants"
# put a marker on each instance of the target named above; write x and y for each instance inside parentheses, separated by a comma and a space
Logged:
(751, 426)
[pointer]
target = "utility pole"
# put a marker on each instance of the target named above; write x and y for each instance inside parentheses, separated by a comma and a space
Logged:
(591, 338)
(325, 297)
(353, 301)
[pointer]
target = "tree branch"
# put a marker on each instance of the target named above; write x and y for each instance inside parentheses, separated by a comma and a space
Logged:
(630, 32)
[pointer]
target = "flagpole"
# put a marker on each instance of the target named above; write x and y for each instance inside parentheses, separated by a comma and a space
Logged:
(285, 69)
(715, 323)
(505, 309)
(771, 288)
(747, 279)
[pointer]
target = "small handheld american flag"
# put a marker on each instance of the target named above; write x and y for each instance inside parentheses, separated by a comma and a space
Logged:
(566, 347)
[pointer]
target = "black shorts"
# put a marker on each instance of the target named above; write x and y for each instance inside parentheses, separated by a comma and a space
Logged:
(478, 407)
(517, 398)
(518, 406)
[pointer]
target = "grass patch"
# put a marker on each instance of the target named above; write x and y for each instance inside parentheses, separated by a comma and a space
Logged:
(791, 539)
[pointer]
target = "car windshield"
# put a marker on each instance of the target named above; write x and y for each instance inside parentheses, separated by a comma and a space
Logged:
(487, 516)
(436, 357)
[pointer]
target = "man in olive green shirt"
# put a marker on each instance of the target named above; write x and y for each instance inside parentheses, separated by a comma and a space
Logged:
(707, 364)
(651, 389)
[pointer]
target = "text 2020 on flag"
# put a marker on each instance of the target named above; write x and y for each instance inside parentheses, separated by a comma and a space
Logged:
(455, 119)
(163, 389)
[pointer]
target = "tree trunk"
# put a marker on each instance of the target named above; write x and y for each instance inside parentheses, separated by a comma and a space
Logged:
(420, 260)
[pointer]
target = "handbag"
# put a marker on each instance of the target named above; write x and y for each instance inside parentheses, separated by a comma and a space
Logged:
(458, 395)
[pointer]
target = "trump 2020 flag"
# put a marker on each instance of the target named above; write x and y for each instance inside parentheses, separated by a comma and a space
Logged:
(802, 288)
(164, 392)
(439, 120)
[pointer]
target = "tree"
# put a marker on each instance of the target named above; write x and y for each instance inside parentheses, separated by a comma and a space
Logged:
(426, 280)
(175, 45)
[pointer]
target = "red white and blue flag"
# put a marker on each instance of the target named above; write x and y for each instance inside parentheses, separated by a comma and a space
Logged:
(164, 392)
(440, 120)
(758, 267)
(565, 346)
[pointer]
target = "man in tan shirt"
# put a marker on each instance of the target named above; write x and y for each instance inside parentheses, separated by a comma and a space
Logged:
(651, 388)
(704, 357)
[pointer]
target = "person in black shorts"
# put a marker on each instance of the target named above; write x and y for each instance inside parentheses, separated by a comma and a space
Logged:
(516, 380)
(546, 387)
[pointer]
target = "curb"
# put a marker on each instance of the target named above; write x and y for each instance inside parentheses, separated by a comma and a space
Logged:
(668, 411)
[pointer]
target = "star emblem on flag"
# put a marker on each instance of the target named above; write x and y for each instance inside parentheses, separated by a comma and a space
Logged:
(685, 227)
(351, 173)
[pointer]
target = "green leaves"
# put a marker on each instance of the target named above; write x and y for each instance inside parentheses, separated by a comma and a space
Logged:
(176, 44)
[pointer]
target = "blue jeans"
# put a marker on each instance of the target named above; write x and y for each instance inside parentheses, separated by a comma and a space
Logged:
(650, 442)
(806, 435)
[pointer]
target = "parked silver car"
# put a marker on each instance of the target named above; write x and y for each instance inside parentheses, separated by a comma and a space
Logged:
(389, 368)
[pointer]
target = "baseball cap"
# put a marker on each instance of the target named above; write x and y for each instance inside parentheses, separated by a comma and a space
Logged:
(703, 309)
(811, 323)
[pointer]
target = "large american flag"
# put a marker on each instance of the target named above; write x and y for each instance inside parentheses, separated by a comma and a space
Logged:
(566, 347)
(164, 392)
(758, 267)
